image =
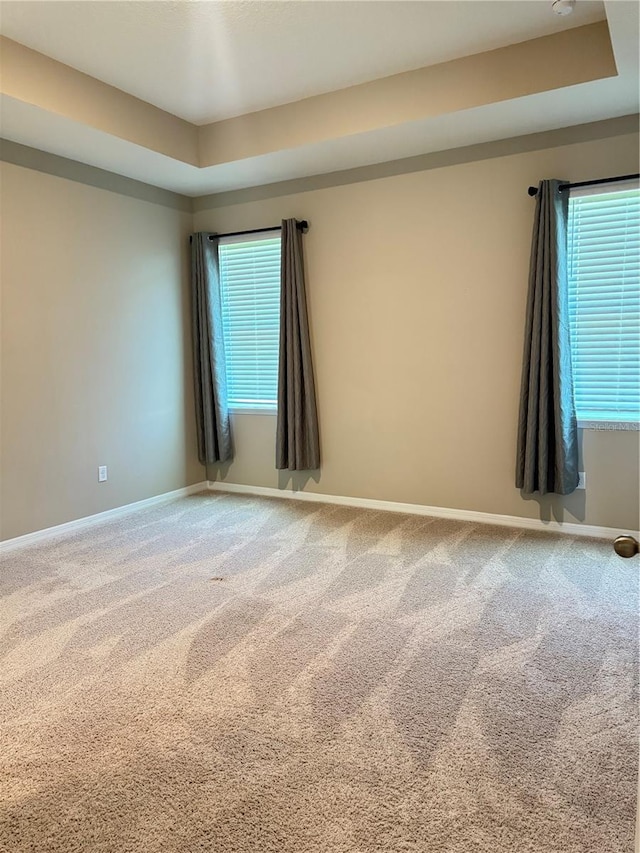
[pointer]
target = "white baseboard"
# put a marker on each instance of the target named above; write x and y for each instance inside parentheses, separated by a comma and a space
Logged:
(98, 518)
(364, 503)
(573, 529)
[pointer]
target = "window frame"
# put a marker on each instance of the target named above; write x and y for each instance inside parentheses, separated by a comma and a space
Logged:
(235, 408)
(605, 423)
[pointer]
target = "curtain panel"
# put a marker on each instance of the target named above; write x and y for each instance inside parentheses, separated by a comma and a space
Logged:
(209, 369)
(547, 449)
(297, 438)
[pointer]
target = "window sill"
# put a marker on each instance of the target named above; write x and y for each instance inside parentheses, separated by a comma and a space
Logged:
(609, 425)
(248, 410)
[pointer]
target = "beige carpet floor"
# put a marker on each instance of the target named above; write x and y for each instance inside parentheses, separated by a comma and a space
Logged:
(243, 675)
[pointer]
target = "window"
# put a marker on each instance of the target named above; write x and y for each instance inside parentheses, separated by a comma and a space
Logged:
(250, 286)
(604, 304)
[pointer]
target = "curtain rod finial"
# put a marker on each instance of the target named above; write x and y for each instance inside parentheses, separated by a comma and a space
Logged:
(533, 191)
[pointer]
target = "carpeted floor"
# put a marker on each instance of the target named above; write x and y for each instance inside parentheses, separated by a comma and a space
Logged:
(242, 675)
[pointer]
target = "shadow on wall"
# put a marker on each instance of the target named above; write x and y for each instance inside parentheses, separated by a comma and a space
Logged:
(560, 507)
(218, 470)
(295, 481)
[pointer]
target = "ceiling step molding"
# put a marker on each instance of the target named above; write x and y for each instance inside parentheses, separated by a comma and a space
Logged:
(72, 170)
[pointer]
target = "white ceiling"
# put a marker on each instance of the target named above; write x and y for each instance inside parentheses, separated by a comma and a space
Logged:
(208, 60)
(204, 61)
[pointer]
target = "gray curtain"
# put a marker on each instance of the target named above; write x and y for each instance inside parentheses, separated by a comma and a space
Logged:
(297, 441)
(547, 457)
(212, 416)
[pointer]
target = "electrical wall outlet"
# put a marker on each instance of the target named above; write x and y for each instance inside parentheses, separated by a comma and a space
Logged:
(102, 474)
(582, 480)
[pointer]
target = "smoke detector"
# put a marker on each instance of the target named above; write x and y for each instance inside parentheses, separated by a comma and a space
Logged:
(563, 7)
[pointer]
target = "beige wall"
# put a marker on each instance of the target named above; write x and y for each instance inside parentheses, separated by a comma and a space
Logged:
(417, 287)
(417, 290)
(95, 351)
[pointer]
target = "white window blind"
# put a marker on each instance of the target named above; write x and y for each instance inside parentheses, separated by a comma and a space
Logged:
(604, 302)
(250, 284)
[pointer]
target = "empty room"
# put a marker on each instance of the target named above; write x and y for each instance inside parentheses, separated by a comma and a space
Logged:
(319, 426)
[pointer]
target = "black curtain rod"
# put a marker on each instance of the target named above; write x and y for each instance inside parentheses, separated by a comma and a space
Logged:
(301, 225)
(534, 190)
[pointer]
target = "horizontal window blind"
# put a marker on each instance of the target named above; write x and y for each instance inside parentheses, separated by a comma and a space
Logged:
(604, 303)
(250, 283)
